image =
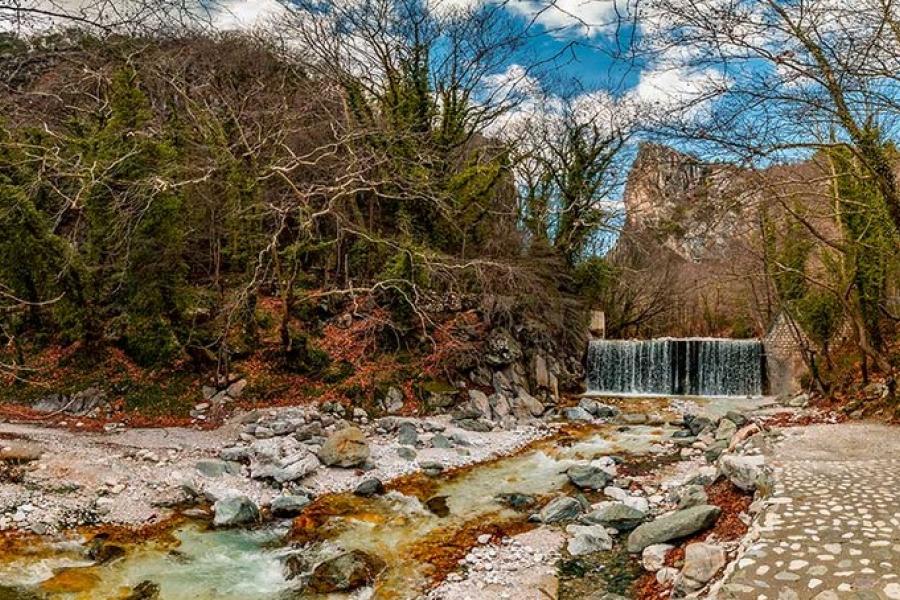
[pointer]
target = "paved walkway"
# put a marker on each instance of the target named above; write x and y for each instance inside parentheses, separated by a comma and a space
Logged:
(833, 531)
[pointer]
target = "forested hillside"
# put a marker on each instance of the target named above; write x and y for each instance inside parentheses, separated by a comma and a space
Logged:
(190, 203)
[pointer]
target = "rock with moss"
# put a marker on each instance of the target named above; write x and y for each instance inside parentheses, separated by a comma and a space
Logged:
(345, 572)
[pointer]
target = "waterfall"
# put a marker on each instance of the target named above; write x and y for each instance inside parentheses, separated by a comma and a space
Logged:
(693, 366)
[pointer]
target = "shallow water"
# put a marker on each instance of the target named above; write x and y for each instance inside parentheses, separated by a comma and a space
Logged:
(202, 563)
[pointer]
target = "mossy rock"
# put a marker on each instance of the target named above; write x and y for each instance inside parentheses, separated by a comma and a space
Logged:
(438, 395)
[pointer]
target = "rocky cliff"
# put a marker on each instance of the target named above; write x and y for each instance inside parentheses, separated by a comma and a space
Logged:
(696, 210)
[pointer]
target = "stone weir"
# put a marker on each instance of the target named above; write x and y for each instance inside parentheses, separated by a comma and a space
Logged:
(677, 367)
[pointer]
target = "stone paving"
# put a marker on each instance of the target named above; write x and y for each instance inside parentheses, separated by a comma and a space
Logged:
(832, 530)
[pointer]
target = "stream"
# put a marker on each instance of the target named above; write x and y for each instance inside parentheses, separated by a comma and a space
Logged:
(419, 528)
(197, 562)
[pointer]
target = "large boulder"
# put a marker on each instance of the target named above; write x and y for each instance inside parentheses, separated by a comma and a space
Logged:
(235, 510)
(587, 539)
(576, 413)
(746, 472)
(345, 448)
(617, 515)
(588, 477)
(345, 572)
(560, 509)
(672, 526)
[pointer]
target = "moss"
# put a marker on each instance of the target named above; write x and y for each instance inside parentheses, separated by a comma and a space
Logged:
(172, 398)
(338, 372)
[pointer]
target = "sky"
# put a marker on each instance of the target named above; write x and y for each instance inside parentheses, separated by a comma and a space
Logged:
(583, 34)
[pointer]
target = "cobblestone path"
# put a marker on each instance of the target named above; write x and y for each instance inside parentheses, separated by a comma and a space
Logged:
(833, 530)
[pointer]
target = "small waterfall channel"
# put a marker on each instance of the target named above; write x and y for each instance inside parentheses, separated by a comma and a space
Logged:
(677, 367)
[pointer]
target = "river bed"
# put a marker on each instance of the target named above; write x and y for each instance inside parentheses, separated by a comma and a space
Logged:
(416, 542)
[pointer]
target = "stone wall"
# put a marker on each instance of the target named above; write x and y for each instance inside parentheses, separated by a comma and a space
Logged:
(784, 361)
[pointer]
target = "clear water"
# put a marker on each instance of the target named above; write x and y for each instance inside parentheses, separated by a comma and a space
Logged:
(249, 565)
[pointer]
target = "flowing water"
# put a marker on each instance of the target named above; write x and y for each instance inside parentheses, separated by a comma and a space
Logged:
(199, 563)
(693, 367)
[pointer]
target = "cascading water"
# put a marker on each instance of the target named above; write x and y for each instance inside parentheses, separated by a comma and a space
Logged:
(692, 367)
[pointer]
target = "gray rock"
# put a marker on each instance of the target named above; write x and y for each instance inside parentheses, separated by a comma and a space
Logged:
(726, 430)
(673, 526)
(576, 413)
(589, 405)
(715, 450)
(309, 431)
(703, 476)
(633, 418)
(287, 506)
(702, 561)
(393, 400)
(474, 425)
(479, 402)
(406, 452)
(345, 572)
(689, 495)
(236, 454)
(297, 469)
(745, 472)
(440, 441)
(588, 477)
(236, 389)
(263, 433)
(432, 468)
(282, 427)
(499, 406)
(605, 411)
(697, 425)
(235, 510)
(617, 515)
(211, 467)
(345, 448)
(588, 539)
(459, 439)
(653, 558)
(407, 434)
(563, 508)
(737, 418)
(525, 406)
(369, 487)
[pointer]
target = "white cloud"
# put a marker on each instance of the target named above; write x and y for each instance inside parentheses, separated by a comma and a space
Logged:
(247, 14)
(587, 18)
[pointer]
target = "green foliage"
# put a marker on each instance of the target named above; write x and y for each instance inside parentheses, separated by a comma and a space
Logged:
(787, 253)
(304, 358)
(820, 315)
(594, 277)
(871, 252)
